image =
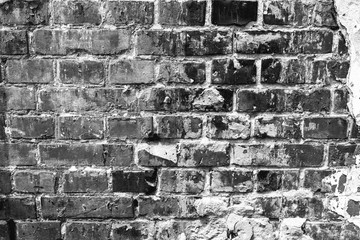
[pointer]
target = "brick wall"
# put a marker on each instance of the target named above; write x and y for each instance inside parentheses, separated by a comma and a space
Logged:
(175, 120)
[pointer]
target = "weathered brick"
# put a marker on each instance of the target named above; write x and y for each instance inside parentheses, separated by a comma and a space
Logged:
(178, 126)
(343, 154)
(161, 206)
(338, 69)
(96, 41)
(233, 71)
(269, 180)
(228, 127)
(290, 180)
(353, 208)
(202, 43)
(13, 42)
(342, 45)
(20, 98)
(272, 100)
(2, 127)
(19, 12)
(4, 231)
(271, 70)
(17, 154)
(182, 181)
(35, 181)
(85, 181)
(314, 180)
(341, 97)
(288, 155)
(134, 181)
(133, 229)
(231, 181)
(182, 13)
(325, 15)
(213, 99)
(32, 127)
(82, 72)
(54, 207)
(277, 127)
(349, 231)
(120, 155)
(130, 127)
(233, 12)
(325, 128)
(77, 127)
(305, 207)
(157, 156)
(311, 42)
(130, 12)
(17, 207)
(204, 155)
(76, 12)
(131, 72)
(38, 230)
(30, 71)
(5, 182)
(87, 230)
(184, 73)
(308, 101)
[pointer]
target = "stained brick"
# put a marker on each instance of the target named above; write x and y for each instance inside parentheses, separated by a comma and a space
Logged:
(20, 98)
(38, 230)
(228, 127)
(231, 181)
(131, 72)
(178, 127)
(278, 127)
(85, 181)
(233, 71)
(30, 71)
(184, 73)
(13, 42)
(308, 101)
(182, 181)
(77, 127)
(32, 127)
(82, 72)
(343, 154)
(260, 101)
(35, 181)
(130, 127)
(5, 182)
(17, 207)
(134, 181)
(325, 128)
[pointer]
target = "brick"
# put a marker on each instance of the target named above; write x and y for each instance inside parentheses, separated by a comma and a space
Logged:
(202, 43)
(278, 127)
(30, 71)
(82, 72)
(297, 71)
(4, 231)
(315, 180)
(24, 13)
(71, 155)
(269, 181)
(5, 182)
(233, 72)
(157, 156)
(343, 154)
(161, 206)
(349, 231)
(152, 42)
(341, 97)
(87, 181)
(77, 127)
(325, 15)
(231, 181)
(228, 127)
(271, 70)
(134, 181)
(182, 181)
(182, 13)
(312, 42)
(17, 154)
(96, 41)
(76, 12)
(288, 155)
(130, 128)
(17, 208)
(20, 98)
(303, 101)
(13, 42)
(329, 231)
(38, 230)
(342, 45)
(290, 180)
(269, 207)
(305, 207)
(338, 69)
(184, 73)
(178, 127)
(2, 127)
(133, 229)
(204, 155)
(353, 208)
(260, 100)
(87, 230)
(120, 155)
(35, 181)
(54, 207)
(233, 12)
(325, 128)
(213, 99)
(130, 12)
(32, 127)
(131, 72)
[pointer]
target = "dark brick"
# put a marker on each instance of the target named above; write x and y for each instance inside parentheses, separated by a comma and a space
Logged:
(87, 230)
(20, 98)
(17, 208)
(330, 231)
(54, 207)
(202, 43)
(182, 181)
(271, 70)
(269, 207)
(96, 41)
(325, 128)
(231, 181)
(77, 127)
(184, 73)
(233, 71)
(38, 230)
(19, 12)
(341, 97)
(130, 127)
(30, 71)
(18, 154)
(5, 182)
(2, 127)
(290, 180)
(350, 231)
(35, 181)
(120, 155)
(269, 181)
(13, 42)
(82, 72)
(296, 71)
(278, 127)
(342, 45)
(131, 72)
(233, 12)
(325, 15)
(178, 127)
(157, 156)
(353, 208)
(260, 100)
(133, 230)
(311, 42)
(32, 127)
(343, 154)
(211, 99)
(4, 231)
(228, 127)
(305, 207)
(320, 73)
(308, 101)
(338, 69)
(182, 13)
(201, 155)
(161, 206)
(76, 12)
(134, 181)
(315, 180)
(130, 12)
(85, 181)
